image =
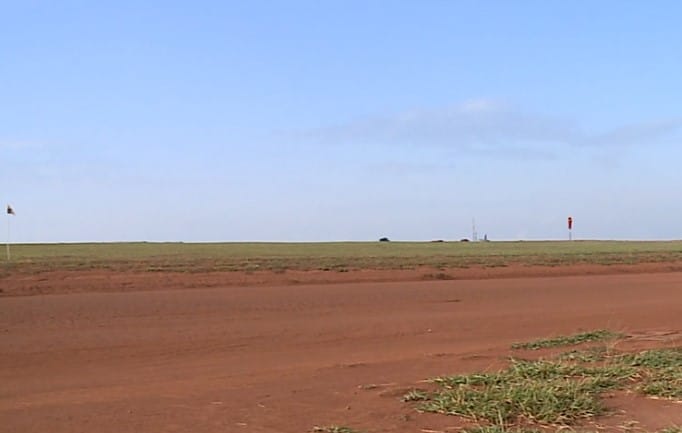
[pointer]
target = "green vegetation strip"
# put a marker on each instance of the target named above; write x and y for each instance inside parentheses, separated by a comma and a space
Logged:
(585, 337)
(661, 371)
(328, 256)
(558, 391)
(500, 429)
(335, 429)
(545, 392)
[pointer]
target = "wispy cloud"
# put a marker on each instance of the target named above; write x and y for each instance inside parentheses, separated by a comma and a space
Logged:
(636, 134)
(18, 145)
(487, 126)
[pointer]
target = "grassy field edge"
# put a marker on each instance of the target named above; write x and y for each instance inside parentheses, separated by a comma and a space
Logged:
(332, 256)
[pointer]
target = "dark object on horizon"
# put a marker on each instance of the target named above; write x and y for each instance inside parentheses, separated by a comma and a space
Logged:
(464, 240)
(384, 240)
(438, 240)
(485, 238)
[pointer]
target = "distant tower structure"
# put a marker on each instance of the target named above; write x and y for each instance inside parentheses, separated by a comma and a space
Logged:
(474, 234)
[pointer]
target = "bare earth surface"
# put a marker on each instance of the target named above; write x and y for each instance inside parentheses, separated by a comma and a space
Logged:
(99, 280)
(262, 357)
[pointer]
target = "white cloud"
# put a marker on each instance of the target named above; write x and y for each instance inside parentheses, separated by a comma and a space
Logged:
(480, 105)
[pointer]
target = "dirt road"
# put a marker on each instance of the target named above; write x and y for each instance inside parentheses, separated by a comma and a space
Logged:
(287, 358)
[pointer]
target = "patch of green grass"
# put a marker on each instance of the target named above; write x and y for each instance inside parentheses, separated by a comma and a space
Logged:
(335, 429)
(558, 391)
(570, 340)
(503, 429)
(557, 402)
(544, 391)
(661, 371)
(438, 276)
(592, 354)
(666, 384)
(498, 429)
(656, 358)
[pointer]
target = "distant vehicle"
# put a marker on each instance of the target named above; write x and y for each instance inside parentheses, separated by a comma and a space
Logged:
(464, 240)
(384, 240)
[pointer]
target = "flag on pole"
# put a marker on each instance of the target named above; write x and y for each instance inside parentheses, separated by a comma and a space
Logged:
(10, 211)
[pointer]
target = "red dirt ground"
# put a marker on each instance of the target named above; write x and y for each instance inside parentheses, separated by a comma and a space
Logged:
(285, 358)
(112, 281)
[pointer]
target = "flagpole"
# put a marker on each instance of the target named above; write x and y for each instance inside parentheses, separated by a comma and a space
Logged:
(8, 238)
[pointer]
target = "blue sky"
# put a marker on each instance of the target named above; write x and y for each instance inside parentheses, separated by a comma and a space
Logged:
(340, 120)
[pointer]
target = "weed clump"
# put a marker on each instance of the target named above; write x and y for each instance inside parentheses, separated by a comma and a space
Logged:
(570, 340)
(335, 429)
(558, 392)
(544, 391)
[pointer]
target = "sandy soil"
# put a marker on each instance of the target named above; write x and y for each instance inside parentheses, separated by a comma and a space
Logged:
(285, 358)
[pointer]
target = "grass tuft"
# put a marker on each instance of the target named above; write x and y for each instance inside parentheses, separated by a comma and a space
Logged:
(415, 395)
(498, 429)
(570, 340)
(335, 429)
(589, 355)
(544, 391)
(661, 371)
(559, 391)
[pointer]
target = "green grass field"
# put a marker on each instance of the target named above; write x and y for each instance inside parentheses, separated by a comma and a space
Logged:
(334, 256)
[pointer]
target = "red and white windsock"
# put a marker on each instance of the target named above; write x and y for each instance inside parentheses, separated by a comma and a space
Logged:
(570, 228)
